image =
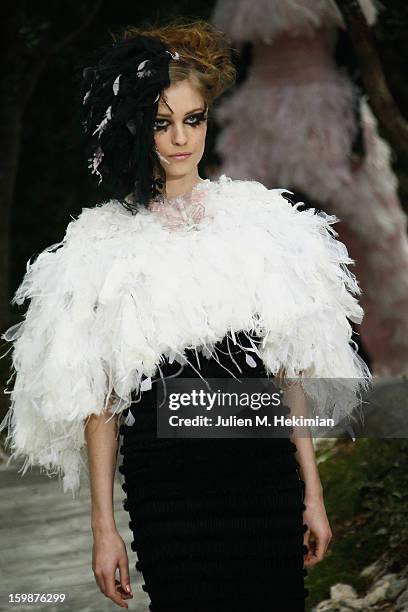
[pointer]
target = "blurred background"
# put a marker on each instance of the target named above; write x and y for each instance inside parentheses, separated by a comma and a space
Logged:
(320, 108)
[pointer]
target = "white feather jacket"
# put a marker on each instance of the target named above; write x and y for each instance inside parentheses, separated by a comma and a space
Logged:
(122, 292)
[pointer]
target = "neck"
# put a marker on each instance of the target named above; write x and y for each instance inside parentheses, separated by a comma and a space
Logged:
(178, 185)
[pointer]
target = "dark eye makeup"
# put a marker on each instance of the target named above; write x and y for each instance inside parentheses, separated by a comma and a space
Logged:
(194, 120)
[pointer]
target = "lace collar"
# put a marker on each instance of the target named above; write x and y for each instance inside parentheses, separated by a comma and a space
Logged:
(182, 211)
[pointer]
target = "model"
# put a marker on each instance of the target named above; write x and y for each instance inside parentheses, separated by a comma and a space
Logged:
(179, 276)
(306, 120)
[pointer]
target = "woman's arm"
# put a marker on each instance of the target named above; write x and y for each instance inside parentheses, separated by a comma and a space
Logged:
(109, 551)
(318, 534)
(102, 444)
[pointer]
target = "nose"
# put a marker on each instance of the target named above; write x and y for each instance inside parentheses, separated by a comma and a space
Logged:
(179, 135)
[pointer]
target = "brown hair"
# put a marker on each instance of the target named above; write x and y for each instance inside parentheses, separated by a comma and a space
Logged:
(205, 54)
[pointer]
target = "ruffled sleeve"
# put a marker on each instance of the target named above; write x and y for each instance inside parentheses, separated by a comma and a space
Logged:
(61, 376)
(310, 296)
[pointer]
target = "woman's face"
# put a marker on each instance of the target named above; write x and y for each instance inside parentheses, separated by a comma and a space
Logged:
(180, 129)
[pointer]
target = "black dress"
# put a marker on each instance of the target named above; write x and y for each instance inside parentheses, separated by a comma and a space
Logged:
(217, 523)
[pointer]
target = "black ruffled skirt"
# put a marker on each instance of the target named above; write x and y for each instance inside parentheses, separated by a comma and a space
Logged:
(217, 523)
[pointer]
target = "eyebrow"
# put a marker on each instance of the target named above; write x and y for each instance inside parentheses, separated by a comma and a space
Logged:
(188, 113)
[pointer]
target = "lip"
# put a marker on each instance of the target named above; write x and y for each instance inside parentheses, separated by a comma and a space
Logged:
(180, 156)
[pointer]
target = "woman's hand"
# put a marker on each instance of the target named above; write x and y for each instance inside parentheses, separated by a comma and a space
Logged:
(108, 554)
(318, 534)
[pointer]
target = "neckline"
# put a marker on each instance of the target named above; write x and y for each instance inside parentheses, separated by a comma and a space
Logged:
(187, 194)
(130, 198)
(184, 211)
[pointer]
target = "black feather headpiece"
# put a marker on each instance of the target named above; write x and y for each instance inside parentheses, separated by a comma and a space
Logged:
(119, 98)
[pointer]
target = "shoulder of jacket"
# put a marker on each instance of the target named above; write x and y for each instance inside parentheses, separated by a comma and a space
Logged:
(257, 197)
(75, 262)
(97, 223)
(307, 229)
(248, 187)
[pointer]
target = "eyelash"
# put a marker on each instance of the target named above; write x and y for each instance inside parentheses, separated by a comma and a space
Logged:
(198, 117)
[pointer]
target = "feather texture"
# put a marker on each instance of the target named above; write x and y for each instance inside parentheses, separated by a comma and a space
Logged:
(122, 292)
(263, 20)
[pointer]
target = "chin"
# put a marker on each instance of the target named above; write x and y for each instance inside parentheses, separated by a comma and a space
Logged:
(180, 169)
